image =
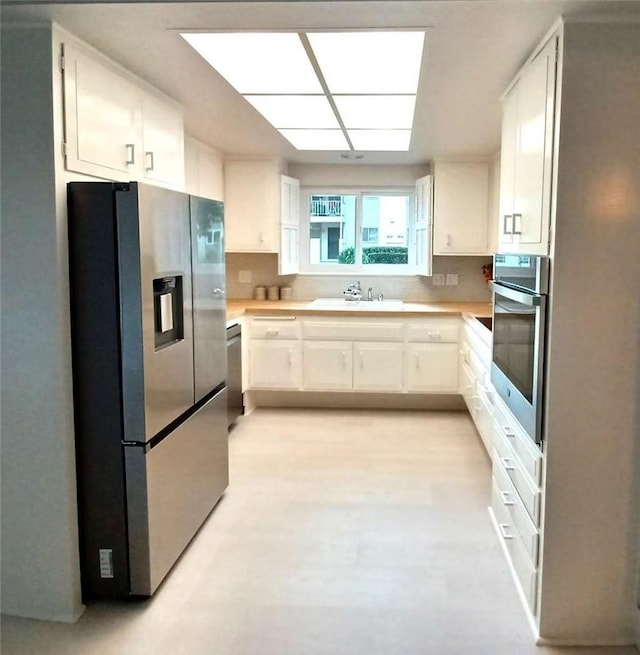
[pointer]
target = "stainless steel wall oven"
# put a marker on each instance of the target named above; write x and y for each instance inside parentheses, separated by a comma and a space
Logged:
(520, 288)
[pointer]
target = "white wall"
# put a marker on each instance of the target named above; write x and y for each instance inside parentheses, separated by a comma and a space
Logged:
(591, 509)
(356, 175)
(40, 564)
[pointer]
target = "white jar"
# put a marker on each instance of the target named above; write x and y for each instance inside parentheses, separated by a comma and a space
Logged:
(285, 293)
(260, 293)
(273, 293)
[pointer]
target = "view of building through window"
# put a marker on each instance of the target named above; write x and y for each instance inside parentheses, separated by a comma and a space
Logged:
(359, 228)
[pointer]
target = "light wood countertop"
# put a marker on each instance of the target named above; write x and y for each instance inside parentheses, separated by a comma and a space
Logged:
(240, 307)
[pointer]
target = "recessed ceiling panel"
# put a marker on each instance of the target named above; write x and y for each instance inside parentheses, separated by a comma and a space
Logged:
(258, 62)
(316, 139)
(380, 139)
(296, 111)
(369, 62)
(376, 111)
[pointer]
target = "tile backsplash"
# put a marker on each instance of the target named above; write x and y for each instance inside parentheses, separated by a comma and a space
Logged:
(263, 270)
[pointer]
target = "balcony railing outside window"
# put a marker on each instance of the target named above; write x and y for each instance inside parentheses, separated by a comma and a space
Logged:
(326, 206)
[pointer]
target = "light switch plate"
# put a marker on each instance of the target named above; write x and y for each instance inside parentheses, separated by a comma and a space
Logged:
(437, 279)
(245, 277)
(452, 279)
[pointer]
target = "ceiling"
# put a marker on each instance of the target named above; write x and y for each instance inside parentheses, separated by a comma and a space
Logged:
(472, 51)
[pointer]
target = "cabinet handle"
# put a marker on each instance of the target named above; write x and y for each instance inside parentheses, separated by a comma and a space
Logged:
(448, 240)
(361, 360)
(508, 464)
(149, 156)
(344, 359)
(505, 499)
(260, 237)
(434, 336)
(505, 228)
(273, 332)
(503, 531)
(290, 357)
(508, 432)
(519, 230)
(131, 154)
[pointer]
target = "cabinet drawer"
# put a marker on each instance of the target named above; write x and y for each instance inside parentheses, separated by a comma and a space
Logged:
(480, 347)
(354, 330)
(438, 330)
(526, 573)
(528, 492)
(528, 453)
(484, 418)
(265, 327)
(518, 515)
(468, 388)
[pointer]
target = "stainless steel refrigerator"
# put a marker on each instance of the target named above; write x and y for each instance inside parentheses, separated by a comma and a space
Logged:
(149, 369)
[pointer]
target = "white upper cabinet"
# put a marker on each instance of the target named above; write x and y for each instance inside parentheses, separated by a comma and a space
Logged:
(204, 174)
(163, 141)
(460, 208)
(289, 253)
(115, 129)
(252, 205)
(103, 118)
(526, 157)
(422, 239)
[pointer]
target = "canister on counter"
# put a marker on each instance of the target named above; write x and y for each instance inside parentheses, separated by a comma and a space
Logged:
(273, 293)
(260, 293)
(285, 293)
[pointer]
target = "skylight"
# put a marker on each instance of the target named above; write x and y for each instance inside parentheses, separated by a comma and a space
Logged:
(324, 90)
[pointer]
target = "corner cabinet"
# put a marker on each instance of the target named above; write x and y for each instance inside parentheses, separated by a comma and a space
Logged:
(526, 157)
(460, 208)
(289, 252)
(116, 128)
(422, 239)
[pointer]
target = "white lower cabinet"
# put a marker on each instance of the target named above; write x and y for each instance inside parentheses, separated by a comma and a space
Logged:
(517, 498)
(275, 353)
(275, 365)
(378, 366)
(432, 367)
(328, 365)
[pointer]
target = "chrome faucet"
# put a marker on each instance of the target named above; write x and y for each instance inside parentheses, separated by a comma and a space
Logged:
(353, 292)
(370, 294)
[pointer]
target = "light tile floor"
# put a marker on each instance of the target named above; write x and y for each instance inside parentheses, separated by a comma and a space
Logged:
(343, 532)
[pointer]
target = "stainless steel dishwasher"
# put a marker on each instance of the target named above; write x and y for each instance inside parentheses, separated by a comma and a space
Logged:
(235, 406)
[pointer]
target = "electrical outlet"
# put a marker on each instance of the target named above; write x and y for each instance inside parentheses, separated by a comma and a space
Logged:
(452, 280)
(245, 277)
(437, 279)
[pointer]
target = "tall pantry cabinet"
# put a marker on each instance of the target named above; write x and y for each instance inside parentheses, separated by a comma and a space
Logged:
(569, 189)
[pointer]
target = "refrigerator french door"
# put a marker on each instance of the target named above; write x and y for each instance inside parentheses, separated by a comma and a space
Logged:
(148, 343)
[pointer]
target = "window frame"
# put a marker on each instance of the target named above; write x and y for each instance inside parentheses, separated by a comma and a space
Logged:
(306, 268)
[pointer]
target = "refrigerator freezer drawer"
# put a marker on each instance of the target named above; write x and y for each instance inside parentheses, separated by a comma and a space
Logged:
(171, 490)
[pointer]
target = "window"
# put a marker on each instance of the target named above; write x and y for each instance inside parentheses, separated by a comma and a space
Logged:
(358, 231)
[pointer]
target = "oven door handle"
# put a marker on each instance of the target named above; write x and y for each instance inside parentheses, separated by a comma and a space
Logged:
(519, 296)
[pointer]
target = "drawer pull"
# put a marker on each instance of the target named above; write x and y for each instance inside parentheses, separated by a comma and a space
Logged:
(344, 359)
(273, 332)
(290, 357)
(508, 464)
(503, 531)
(417, 361)
(505, 499)
(508, 432)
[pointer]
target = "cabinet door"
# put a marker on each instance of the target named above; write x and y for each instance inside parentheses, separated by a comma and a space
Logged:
(252, 205)
(288, 258)
(422, 239)
(103, 118)
(163, 141)
(432, 367)
(275, 364)
(536, 91)
(328, 365)
(210, 175)
(378, 366)
(508, 167)
(461, 198)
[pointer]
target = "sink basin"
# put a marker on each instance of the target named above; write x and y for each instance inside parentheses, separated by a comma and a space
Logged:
(363, 305)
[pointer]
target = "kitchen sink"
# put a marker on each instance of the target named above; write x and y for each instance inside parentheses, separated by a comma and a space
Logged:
(363, 305)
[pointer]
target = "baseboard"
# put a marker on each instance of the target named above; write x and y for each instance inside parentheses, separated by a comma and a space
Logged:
(56, 618)
(351, 400)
